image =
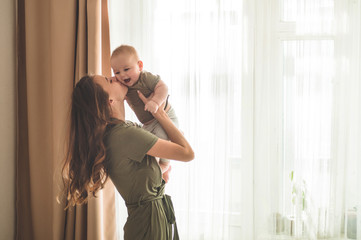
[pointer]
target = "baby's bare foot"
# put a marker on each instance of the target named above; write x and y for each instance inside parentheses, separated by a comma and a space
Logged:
(166, 174)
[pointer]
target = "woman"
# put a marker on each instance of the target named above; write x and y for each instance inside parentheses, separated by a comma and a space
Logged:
(102, 144)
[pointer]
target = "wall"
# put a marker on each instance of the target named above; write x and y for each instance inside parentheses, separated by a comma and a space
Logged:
(7, 119)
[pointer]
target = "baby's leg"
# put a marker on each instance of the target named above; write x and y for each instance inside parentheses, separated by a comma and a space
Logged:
(156, 128)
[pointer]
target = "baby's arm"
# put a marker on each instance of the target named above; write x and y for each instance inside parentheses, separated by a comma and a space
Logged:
(160, 95)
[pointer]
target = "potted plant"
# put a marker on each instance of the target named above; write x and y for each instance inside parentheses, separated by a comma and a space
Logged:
(294, 223)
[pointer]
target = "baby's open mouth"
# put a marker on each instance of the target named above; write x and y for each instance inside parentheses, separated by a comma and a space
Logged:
(127, 80)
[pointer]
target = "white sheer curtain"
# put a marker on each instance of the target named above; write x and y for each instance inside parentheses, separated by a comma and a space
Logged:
(312, 116)
(346, 142)
(203, 51)
(268, 92)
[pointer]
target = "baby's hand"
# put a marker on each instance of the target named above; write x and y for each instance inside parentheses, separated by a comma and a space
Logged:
(151, 106)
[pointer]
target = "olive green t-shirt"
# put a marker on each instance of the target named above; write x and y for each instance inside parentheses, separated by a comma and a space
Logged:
(137, 177)
(145, 84)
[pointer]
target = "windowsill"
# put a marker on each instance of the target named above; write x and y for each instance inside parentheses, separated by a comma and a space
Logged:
(286, 237)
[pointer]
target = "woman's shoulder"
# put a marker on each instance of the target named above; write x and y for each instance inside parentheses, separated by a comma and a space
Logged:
(131, 124)
(129, 131)
(128, 135)
(122, 127)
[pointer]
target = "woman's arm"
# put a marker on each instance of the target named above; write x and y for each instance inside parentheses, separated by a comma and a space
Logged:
(178, 147)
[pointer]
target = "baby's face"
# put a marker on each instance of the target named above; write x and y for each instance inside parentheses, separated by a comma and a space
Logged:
(126, 68)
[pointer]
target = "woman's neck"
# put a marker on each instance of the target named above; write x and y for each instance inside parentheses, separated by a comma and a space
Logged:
(118, 110)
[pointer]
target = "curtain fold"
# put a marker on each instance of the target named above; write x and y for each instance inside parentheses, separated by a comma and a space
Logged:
(267, 168)
(346, 144)
(23, 213)
(58, 42)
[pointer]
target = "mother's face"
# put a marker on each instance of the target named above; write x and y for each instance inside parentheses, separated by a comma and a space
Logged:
(115, 89)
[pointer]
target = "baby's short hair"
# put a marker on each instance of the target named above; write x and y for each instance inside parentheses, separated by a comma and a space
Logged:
(125, 49)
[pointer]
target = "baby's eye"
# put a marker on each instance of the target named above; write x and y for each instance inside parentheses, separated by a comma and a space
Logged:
(116, 73)
(126, 69)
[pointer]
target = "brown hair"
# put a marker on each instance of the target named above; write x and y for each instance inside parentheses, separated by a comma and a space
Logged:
(125, 49)
(84, 171)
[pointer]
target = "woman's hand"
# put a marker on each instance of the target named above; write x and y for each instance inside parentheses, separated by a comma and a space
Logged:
(147, 101)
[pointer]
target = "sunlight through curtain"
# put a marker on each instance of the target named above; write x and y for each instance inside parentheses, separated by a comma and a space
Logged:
(269, 95)
(307, 130)
(201, 50)
(319, 118)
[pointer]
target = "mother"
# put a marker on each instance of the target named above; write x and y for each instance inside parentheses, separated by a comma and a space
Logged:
(102, 144)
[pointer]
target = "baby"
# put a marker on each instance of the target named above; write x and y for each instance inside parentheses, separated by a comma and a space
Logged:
(128, 69)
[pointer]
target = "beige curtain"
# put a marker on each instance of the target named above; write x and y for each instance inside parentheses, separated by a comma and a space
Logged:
(58, 41)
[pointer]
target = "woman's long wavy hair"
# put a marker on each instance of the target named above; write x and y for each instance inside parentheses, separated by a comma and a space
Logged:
(84, 171)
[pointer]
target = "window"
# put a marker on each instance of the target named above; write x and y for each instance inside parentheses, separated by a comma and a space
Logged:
(307, 118)
(308, 46)
(269, 95)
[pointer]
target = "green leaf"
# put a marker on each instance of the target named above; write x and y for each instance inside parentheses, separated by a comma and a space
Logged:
(294, 190)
